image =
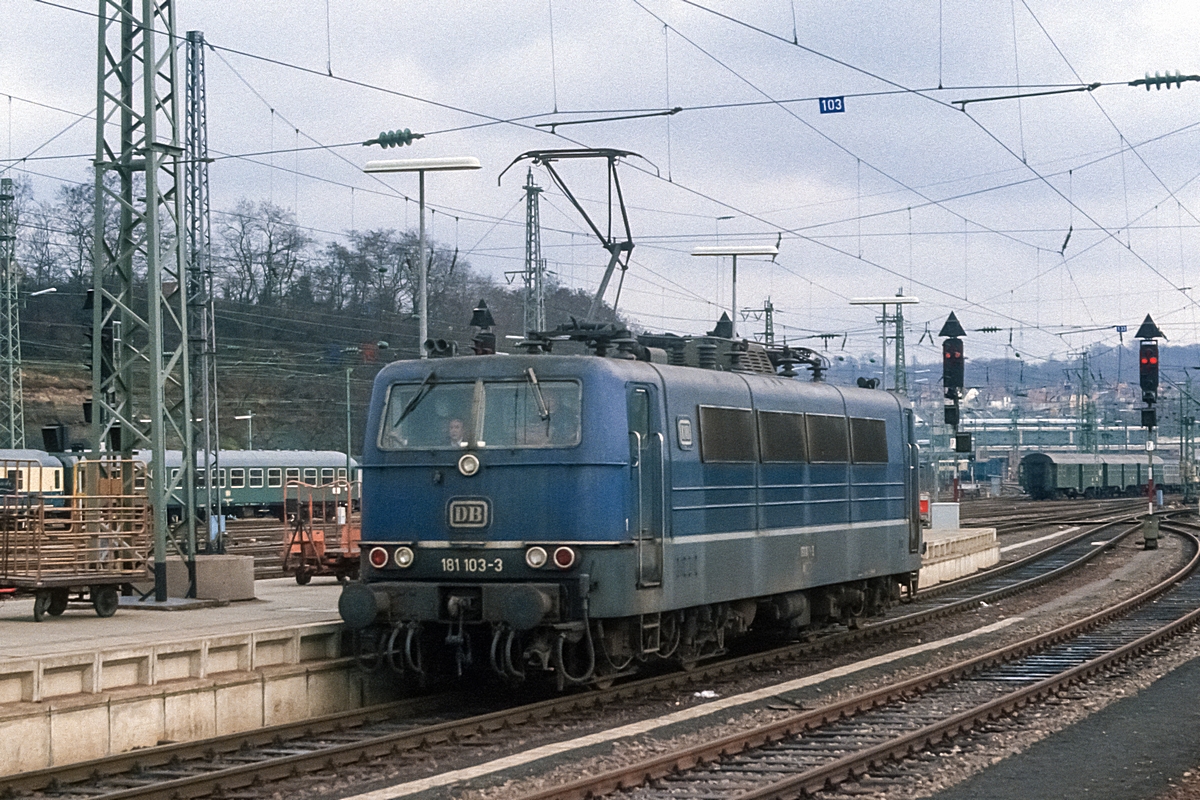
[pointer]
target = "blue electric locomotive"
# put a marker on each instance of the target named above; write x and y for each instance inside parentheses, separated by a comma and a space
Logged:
(578, 514)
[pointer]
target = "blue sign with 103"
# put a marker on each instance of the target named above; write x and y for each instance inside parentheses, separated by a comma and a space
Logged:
(832, 105)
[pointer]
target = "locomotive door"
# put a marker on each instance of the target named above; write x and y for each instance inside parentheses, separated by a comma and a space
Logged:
(646, 473)
(912, 460)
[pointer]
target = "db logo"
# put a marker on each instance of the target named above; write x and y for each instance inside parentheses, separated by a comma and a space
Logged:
(468, 513)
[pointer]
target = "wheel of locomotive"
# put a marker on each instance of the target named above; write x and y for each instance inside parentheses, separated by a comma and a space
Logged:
(41, 604)
(105, 600)
(58, 601)
(303, 576)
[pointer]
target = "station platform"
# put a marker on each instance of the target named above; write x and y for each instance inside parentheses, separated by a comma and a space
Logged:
(77, 686)
(956, 552)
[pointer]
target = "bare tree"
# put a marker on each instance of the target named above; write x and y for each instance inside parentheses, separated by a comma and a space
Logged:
(264, 252)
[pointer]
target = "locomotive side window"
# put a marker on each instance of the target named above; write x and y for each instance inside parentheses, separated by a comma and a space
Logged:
(868, 441)
(274, 477)
(727, 434)
(781, 436)
(827, 438)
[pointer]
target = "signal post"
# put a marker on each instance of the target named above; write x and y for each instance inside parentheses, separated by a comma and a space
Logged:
(1149, 333)
(953, 374)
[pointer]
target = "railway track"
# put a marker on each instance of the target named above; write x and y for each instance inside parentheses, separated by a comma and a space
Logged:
(243, 760)
(260, 538)
(1051, 512)
(810, 751)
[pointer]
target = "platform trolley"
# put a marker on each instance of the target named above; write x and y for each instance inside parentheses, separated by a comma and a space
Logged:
(323, 528)
(82, 551)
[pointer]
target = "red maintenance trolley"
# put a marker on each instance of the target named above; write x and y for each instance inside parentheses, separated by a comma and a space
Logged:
(65, 548)
(323, 530)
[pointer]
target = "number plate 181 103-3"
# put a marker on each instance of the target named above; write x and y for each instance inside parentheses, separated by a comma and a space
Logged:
(460, 564)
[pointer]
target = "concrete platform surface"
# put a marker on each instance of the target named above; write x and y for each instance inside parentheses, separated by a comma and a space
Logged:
(1135, 748)
(280, 603)
(954, 553)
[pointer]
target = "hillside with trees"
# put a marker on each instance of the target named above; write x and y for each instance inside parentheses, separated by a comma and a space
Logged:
(298, 318)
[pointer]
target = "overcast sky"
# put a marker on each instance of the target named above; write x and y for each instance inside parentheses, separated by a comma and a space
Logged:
(968, 211)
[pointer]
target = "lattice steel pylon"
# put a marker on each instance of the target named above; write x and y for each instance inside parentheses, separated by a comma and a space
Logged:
(12, 406)
(139, 330)
(535, 266)
(202, 339)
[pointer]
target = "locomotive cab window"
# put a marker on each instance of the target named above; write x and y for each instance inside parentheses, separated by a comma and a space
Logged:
(868, 441)
(827, 438)
(727, 435)
(527, 412)
(781, 436)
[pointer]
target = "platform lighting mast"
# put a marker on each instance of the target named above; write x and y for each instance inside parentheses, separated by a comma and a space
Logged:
(202, 332)
(140, 340)
(535, 266)
(12, 407)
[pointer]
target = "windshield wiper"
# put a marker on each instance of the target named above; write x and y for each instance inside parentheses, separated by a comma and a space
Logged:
(425, 388)
(543, 411)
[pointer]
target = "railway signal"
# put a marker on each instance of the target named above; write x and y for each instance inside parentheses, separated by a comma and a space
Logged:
(1148, 363)
(1149, 333)
(953, 367)
(1148, 371)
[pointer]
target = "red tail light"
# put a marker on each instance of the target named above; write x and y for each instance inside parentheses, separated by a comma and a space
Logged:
(378, 557)
(564, 558)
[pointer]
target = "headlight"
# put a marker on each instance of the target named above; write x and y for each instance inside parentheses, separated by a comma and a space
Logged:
(468, 465)
(535, 557)
(404, 557)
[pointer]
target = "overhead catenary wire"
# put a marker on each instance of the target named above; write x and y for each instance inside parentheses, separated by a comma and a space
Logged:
(294, 171)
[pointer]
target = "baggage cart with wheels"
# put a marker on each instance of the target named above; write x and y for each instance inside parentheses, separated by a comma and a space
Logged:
(84, 551)
(323, 530)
